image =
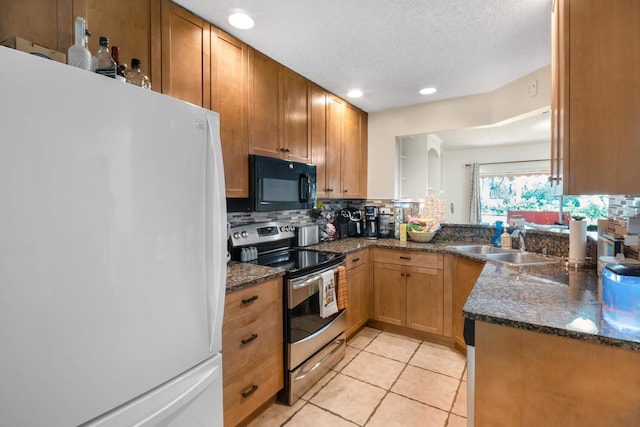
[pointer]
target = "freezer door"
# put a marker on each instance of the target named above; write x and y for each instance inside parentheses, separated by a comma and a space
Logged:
(112, 241)
(194, 399)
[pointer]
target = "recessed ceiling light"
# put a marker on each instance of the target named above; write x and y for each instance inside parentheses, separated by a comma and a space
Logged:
(428, 91)
(241, 21)
(354, 93)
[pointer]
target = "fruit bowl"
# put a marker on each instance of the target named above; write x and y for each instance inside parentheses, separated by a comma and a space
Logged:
(421, 236)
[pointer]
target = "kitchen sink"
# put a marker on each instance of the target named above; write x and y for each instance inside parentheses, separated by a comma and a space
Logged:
(507, 256)
(521, 258)
(480, 249)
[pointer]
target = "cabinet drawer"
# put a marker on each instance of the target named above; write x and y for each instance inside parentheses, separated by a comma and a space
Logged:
(249, 388)
(253, 298)
(412, 258)
(251, 335)
(357, 258)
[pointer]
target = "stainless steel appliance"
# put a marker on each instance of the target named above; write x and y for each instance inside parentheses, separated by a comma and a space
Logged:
(371, 222)
(313, 344)
(307, 235)
(276, 184)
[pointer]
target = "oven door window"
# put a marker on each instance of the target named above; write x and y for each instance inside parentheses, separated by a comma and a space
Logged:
(305, 319)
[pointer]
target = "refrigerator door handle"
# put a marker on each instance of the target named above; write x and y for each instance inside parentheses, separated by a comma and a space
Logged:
(216, 223)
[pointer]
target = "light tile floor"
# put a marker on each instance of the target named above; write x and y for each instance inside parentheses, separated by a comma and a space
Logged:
(384, 380)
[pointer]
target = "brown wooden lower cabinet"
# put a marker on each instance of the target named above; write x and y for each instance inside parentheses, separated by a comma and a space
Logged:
(526, 378)
(359, 285)
(465, 273)
(408, 291)
(252, 359)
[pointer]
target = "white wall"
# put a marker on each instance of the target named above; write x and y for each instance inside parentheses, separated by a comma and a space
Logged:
(457, 176)
(476, 110)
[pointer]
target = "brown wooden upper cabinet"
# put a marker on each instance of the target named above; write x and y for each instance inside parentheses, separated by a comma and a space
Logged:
(278, 110)
(186, 67)
(228, 87)
(354, 154)
(595, 97)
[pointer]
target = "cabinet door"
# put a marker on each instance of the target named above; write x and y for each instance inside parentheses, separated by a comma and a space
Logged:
(351, 154)
(228, 70)
(264, 101)
(333, 168)
(45, 22)
(600, 117)
(358, 310)
(297, 145)
(464, 278)
(424, 299)
(186, 72)
(318, 99)
(389, 293)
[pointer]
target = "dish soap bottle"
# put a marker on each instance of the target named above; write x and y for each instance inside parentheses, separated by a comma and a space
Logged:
(505, 239)
(496, 237)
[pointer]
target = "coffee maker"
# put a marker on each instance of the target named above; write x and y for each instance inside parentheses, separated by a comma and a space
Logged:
(371, 222)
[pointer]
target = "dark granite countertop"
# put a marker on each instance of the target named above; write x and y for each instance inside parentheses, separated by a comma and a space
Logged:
(243, 275)
(550, 299)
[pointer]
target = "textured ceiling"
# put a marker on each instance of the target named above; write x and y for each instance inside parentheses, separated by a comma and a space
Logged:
(392, 48)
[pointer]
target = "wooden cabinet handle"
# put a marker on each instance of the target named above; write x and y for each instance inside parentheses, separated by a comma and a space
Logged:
(250, 299)
(355, 259)
(408, 258)
(249, 339)
(249, 392)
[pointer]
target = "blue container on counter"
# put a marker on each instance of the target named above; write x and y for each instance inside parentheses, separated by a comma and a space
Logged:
(621, 296)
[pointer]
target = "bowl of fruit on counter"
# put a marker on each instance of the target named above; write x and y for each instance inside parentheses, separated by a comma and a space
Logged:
(422, 229)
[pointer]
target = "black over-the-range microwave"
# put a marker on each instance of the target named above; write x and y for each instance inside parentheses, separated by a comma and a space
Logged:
(276, 184)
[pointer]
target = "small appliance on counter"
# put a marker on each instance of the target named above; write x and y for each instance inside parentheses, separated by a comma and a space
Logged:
(371, 222)
(621, 296)
(384, 222)
(307, 235)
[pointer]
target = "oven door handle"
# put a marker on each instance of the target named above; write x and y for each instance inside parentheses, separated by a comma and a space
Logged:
(310, 281)
(304, 372)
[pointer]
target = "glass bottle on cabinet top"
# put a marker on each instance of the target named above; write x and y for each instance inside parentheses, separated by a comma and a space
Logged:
(103, 63)
(136, 77)
(78, 55)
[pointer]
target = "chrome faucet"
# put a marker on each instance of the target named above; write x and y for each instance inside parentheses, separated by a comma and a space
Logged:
(521, 234)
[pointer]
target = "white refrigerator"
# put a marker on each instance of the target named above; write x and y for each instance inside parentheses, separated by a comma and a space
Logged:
(112, 252)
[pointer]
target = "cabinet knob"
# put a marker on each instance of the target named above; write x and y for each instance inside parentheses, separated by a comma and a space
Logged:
(345, 190)
(401, 274)
(286, 150)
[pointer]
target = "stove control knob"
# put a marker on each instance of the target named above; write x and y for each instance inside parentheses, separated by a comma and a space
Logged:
(283, 228)
(245, 234)
(236, 235)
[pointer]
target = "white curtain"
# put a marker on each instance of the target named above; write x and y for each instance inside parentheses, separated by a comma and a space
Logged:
(474, 202)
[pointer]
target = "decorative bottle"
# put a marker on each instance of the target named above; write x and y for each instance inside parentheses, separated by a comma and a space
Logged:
(103, 63)
(496, 237)
(78, 55)
(505, 239)
(115, 55)
(136, 77)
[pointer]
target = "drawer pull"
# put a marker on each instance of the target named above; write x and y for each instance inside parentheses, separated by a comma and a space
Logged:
(408, 258)
(251, 338)
(355, 259)
(250, 299)
(249, 392)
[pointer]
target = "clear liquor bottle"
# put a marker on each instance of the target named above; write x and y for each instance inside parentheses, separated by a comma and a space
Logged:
(102, 61)
(136, 77)
(78, 55)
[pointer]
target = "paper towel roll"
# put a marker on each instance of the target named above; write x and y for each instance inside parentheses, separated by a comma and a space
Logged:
(577, 241)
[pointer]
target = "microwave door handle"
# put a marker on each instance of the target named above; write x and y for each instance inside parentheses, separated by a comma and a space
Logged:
(305, 187)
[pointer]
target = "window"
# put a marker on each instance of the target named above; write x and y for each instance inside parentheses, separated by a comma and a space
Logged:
(522, 188)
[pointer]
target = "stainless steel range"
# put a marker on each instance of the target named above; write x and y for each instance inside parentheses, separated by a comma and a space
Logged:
(312, 344)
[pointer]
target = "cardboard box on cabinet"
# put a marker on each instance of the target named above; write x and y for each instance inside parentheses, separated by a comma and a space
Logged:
(24, 45)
